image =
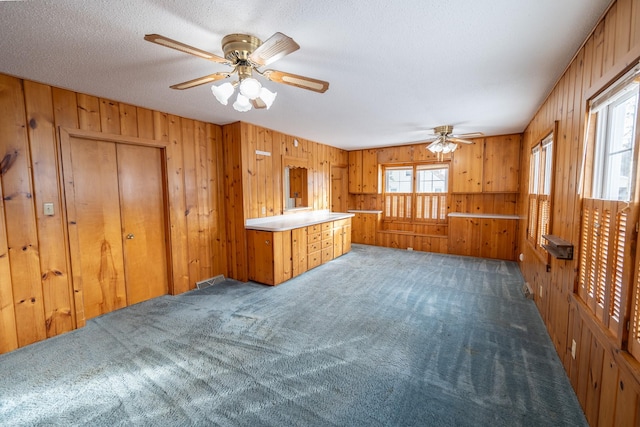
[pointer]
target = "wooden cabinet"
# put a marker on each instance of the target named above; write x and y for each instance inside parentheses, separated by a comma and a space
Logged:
(501, 164)
(363, 172)
(466, 168)
(269, 256)
(364, 226)
(490, 165)
(341, 237)
(277, 256)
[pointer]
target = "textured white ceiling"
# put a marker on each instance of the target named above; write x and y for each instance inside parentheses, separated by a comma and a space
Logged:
(396, 68)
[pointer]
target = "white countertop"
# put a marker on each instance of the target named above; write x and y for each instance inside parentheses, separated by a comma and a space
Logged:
(298, 220)
(482, 215)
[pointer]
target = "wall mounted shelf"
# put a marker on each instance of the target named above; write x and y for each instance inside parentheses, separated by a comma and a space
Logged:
(557, 247)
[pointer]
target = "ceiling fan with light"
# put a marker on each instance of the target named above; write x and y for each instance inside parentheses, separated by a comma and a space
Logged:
(245, 54)
(444, 141)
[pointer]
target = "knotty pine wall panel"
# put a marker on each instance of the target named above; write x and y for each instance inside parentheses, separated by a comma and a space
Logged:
(37, 294)
(606, 379)
(254, 186)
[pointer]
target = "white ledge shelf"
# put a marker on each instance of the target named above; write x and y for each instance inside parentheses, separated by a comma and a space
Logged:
(364, 211)
(481, 215)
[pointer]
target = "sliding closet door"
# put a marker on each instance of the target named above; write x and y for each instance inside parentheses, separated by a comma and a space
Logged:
(115, 201)
(143, 221)
(95, 230)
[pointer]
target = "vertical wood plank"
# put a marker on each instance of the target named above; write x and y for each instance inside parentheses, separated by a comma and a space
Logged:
(8, 331)
(146, 124)
(203, 191)
(190, 156)
(109, 116)
(128, 120)
(52, 241)
(65, 108)
(22, 236)
(610, 375)
(88, 112)
(168, 128)
(216, 182)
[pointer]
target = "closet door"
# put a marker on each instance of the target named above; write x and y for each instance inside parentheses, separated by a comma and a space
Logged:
(95, 230)
(115, 201)
(143, 221)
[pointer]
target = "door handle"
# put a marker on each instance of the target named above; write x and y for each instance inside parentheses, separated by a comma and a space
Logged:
(130, 236)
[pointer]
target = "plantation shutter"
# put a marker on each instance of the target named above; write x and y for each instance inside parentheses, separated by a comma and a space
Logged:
(605, 264)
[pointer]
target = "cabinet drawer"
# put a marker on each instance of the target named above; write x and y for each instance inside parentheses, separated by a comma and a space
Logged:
(327, 234)
(326, 243)
(314, 259)
(313, 247)
(327, 225)
(327, 254)
(317, 228)
(314, 237)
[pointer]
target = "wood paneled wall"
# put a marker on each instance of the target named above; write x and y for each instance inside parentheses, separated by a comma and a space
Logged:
(254, 187)
(484, 185)
(36, 289)
(606, 379)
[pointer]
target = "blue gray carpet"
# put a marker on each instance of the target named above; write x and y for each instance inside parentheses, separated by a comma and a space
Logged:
(377, 337)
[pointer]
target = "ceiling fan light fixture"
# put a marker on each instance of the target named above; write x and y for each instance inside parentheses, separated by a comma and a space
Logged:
(449, 147)
(250, 88)
(223, 92)
(242, 103)
(267, 96)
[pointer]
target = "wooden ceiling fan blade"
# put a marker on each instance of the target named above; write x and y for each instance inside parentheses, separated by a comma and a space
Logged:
(258, 103)
(468, 135)
(174, 44)
(201, 80)
(459, 140)
(274, 48)
(297, 81)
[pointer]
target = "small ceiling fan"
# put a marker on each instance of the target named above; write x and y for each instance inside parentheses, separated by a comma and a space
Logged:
(444, 141)
(246, 54)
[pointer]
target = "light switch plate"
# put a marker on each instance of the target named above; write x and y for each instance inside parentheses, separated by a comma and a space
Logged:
(48, 209)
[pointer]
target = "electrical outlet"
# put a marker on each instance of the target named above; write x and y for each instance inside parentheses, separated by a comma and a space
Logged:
(573, 348)
(409, 249)
(264, 210)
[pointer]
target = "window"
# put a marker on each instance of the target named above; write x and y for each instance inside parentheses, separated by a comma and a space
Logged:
(540, 179)
(416, 192)
(398, 180)
(616, 122)
(610, 210)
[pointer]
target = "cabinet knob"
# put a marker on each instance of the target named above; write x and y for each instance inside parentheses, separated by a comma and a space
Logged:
(130, 236)
(267, 242)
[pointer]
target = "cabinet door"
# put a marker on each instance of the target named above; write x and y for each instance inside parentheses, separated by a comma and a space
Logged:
(346, 238)
(260, 251)
(364, 228)
(369, 171)
(337, 241)
(355, 171)
(281, 256)
(466, 168)
(298, 251)
(269, 256)
(501, 164)
(363, 172)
